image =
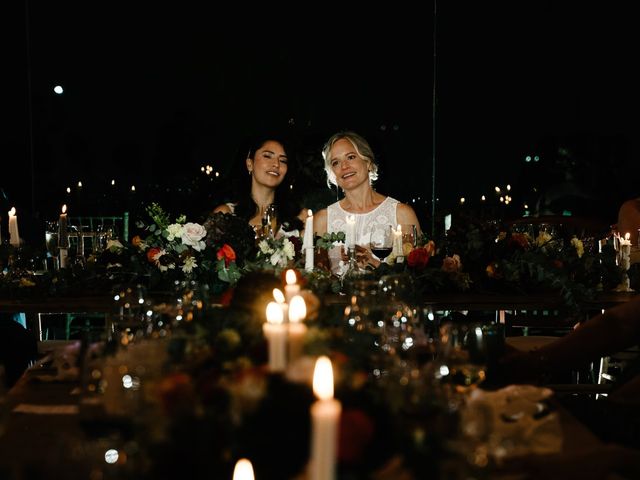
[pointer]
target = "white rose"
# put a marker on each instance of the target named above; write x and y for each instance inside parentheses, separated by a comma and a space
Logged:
(192, 235)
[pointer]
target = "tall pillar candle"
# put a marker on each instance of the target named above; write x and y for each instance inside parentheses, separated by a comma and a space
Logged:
(243, 470)
(297, 329)
(397, 244)
(291, 289)
(307, 243)
(350, 231)
(325, 421)
(14, 236)
(625, 251)
(276, 333)
(63, 238)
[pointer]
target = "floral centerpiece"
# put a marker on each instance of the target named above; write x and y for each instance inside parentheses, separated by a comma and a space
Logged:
(213, 252)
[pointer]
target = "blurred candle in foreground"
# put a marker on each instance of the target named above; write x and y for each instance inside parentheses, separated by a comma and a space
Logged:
(276, 332)
(291, 288)
(243, 470)
(297, 329)
(325, 419)
(279, 298)
(307, 244)
(14, 236)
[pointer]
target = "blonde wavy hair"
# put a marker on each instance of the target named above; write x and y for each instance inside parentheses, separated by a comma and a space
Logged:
(362, 148)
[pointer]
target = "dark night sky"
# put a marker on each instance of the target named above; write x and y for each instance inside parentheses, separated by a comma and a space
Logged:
(183, 84)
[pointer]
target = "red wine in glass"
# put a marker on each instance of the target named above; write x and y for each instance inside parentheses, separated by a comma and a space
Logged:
(381, 241)
(381, 253)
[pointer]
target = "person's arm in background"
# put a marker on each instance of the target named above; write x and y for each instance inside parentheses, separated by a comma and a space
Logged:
(614, 330)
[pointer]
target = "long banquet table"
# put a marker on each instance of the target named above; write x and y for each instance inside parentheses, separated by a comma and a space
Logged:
(519, 304)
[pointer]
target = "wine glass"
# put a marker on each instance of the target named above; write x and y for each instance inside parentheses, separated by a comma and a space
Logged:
(409, 238)
(381, 241)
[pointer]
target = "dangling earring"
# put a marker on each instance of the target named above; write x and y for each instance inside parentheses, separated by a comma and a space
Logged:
(250, 172)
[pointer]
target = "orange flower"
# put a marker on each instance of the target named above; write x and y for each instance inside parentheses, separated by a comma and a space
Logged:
(152, 254)
(431, 248)
(136, 241)
(227, 253)
(492, 271)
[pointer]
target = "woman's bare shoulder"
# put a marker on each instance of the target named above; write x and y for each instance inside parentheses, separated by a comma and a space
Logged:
(407, 215)
(320, 222)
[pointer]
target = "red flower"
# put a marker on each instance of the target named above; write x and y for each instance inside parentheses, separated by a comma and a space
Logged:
(519, 240)
(227, 253)
(226, 297)
(419, 257)
(152, 253)
(176, 393)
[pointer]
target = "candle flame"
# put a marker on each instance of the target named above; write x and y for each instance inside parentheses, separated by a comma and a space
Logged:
(278, 295)
(243, 470)
(12, 212)
(290, 277)
(274, 313)
(297, 309)
(399, 228)
(64, 208)
(627, 236)
(309, 213)
(323, 378)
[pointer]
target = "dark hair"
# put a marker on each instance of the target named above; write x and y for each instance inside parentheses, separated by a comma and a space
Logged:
(287, 204)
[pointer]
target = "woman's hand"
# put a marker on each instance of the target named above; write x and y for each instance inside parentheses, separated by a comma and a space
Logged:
(365, 258)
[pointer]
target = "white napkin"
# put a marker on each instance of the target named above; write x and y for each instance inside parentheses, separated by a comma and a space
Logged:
(512, 421)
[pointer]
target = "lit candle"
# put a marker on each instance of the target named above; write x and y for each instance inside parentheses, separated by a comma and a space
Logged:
(350, 233)
(297, 329)
(397, 243)
(278, 296)
(291, 288)
(243, 470)
(325, 418)
(276, 332)
(625, 251)
(307, 243)
(63, 237)
(14, 236)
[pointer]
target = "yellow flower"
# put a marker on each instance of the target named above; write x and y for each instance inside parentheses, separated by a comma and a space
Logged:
(578, 245)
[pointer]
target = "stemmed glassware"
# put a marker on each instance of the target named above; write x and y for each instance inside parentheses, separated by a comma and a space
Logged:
(51, 244)
(381, 241)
